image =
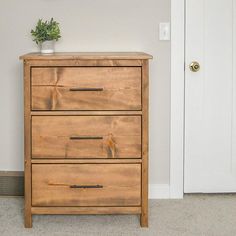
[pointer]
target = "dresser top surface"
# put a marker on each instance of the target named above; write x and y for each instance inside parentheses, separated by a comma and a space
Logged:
(87, 56)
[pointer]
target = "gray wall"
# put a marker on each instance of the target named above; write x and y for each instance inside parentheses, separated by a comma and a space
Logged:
(86, 25)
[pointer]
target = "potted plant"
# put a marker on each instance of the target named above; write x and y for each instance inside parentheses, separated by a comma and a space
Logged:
(45, 35)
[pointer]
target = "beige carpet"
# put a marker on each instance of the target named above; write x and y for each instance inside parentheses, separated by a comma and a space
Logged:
(197, 215)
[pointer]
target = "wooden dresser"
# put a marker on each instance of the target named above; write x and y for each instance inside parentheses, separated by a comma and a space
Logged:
(86, 134)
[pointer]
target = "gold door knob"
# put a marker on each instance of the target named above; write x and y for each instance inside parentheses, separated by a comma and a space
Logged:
(194, 66)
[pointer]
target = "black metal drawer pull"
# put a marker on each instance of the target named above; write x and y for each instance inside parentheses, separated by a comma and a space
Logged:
(86, 89)
(86, 186)
(85, 137)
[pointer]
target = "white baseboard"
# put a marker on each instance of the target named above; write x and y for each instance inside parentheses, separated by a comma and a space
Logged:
(159, 191)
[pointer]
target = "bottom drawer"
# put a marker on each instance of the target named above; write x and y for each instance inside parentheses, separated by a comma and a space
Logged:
(86, 184)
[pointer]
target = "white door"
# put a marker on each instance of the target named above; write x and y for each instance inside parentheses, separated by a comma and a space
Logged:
(210, 97)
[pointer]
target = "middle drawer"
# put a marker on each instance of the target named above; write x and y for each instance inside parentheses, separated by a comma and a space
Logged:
(86, 136)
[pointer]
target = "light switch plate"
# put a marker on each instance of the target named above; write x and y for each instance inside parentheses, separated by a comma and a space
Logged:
(164, 31)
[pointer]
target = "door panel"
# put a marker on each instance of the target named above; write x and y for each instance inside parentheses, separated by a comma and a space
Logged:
(210, 97)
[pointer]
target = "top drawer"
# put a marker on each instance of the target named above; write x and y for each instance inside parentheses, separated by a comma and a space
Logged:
(86, 88)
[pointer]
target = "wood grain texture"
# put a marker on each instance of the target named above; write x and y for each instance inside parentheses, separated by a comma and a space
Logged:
(84, 63)
(85, 161)
(87, 56)
(57, 88)
(85, 210)
(85, 113)
(118, 161)
(52, 184)
(27, 147)
(51, 136)
(145, 143)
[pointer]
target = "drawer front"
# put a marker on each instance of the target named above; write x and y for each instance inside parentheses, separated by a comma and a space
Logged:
(86, 137)
(86, 88)
(86, 184)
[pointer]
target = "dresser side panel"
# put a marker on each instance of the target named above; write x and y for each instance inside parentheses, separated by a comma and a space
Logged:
(27, 146)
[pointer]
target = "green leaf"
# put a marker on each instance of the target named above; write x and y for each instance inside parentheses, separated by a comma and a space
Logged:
(46, 30)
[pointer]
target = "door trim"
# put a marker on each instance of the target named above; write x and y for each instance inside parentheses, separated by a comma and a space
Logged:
(177, 98)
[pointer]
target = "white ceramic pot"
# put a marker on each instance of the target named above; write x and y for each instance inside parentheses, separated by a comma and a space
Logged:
(47, 46)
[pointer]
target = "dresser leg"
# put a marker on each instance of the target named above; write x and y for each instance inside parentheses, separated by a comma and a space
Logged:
(28, 220)
(144, 220)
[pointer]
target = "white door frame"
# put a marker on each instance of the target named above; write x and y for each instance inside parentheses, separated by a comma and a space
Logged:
(177, 98)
